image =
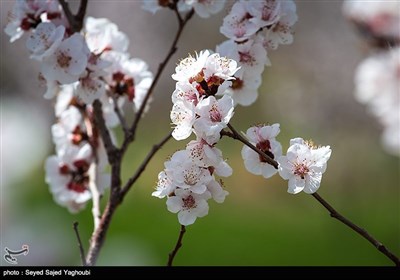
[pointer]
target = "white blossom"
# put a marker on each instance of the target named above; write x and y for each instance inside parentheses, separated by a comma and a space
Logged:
(68, 62)
(264, 138)
(45, 40)
(205, 8)
(188, 205)
(303, 166)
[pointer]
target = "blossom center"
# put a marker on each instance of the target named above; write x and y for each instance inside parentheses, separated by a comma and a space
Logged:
(189, 202)
(265, 146)
(301, 170)
(63, 59)
(215, 114)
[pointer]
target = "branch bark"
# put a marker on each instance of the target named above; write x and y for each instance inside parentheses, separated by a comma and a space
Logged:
(178, 245)
(336, 215)
(80, 246)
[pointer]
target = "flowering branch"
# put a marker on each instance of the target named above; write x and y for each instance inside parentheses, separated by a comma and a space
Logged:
(336, 215)
(81, 250)
(236, 135)
(178, 245)
(161, 67)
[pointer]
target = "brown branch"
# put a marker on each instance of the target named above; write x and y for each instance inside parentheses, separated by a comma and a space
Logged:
(178, 245)
(112, 151)
(144, 164)
(115, 157)
(236, 135)
(80, 246)
(121, 118)
(161, 67)
(335, 214)
(75, 21)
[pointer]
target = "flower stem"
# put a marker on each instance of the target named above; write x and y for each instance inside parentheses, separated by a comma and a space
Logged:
(178, 245)
(80, 246)
(336, 215)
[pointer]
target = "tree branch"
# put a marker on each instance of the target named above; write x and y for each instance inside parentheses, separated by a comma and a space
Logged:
(178, 245)
(335, 214)
(80, 246)
(236, 135)
(75, 21)
(161, 67)
(120, 116)
(112, 151)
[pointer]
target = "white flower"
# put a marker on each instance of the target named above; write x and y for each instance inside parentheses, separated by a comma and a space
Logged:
(69, 130)
(303, 166)
(263, 137)
(281, 33)
(267, 11)
(164, 185)
(380, 18)
(103, 35)
(68, 178)
(239, 24)
(205, 8)
(64, 98)
(217, 192)
(214, 115)
(27, 14)
(188, 205)
(89, 88)
(45, 40)
(208, 156)
(251, 56)
(182, 116)
(190, 66)
(68, 62)
(377, 82)
(128, 77)
(186, 174)
(185, 91)
(244, 90)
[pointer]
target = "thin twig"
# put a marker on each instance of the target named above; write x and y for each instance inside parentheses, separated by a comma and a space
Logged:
(95, 194)
(115, 157)
(178, 245)
(145, 162)
(161, 67)
(378, 245)
(80, 246)
(236, 135)
(112, 151)
(121, 118)
(75, 21)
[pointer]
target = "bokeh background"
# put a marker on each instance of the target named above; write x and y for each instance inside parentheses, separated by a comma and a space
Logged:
(308, 90)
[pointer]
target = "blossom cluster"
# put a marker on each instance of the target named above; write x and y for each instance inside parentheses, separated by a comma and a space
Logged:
(253, 28)
(78, 68)
(208, 87)
(377, 78)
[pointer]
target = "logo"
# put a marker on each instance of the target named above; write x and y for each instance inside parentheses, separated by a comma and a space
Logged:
(9, 255)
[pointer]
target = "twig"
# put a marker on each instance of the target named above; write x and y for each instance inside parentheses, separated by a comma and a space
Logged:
(236, 135)
(146, 161)
(121, 118)
(81, 250)
(112, 151)
(95, 194)
(115, 156)
(75, 21)
(161, 67)
(335, 214)
(178, 245)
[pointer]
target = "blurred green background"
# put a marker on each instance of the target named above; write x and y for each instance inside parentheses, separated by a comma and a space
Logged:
(308, 90)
